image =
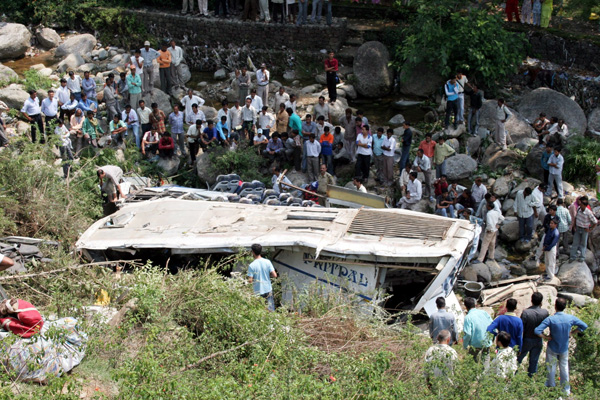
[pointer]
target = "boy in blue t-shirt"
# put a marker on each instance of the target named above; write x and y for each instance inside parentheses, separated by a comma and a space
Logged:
(260, 272)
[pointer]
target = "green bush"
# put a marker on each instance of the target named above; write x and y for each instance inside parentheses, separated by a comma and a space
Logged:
(581, 154)
(244, 161)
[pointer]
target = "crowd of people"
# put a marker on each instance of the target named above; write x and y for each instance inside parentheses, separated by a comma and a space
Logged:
(533, 12)
(516, 337)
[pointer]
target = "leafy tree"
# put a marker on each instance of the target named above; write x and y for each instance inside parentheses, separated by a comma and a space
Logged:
(451, 36)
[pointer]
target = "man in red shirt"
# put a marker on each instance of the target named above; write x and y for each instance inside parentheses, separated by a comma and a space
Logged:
(428, 146)
(166, 146)
(331, 68)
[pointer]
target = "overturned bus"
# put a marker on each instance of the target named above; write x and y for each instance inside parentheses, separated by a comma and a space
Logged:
(409, 257)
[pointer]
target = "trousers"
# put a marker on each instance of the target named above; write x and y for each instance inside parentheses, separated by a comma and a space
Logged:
(533, 346)
(363, 164)
(488, 245)
(451, 108)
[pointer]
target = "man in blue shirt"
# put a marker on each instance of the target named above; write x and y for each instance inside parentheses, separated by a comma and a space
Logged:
(544, 161)
(406, 142)
(441, 320)
(260, 272)
(560, 325)
(148, 54)
(510, 323)
(378, 154)
(476, 338)
(451, 90)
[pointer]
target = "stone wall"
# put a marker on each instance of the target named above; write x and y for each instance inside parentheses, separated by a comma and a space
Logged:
(570, 52)
(212, 43)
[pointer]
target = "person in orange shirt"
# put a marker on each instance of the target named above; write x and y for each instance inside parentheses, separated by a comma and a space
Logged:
(428, 146)
(327, 149)
(164, 68)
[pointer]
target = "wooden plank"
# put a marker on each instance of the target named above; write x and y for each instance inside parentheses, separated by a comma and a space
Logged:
(514, 280)
(499, 295)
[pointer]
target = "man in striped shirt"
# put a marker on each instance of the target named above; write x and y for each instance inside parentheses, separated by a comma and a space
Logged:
(585, 221)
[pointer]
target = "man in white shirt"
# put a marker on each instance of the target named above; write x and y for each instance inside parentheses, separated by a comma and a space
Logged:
(358, 184)
(189, 100)
(249, 115)
(63, 95)
(150, 143)
(257, 102)
(478, 191)
(49, 107)
(525, 207)
(224, 112)
(176, 64)
(143, 113)
(321, 124)
(321, 108)
(422, 164)
(266, 121)
(538, 195)
(414, 192)
(262, 82)
(234, 117)
(195, 115)
(462, 81)
(74, 84)
(493, 219)
(291, 103)
(280, 97)
(32, 112)
(148, 55)
(313, 150)
(440, 358)
(555, 162)
(502, 114)
(389, 147)
(130, 117)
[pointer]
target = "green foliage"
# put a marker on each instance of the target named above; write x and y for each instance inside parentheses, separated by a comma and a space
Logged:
(245, 162)
(582, 8)
(452, 38)
(581, 154)
(114, 26)
(36, 81)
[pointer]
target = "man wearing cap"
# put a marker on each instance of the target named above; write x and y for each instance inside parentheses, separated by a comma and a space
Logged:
(134, 84)
(32, 112)
(164, 69)
(176, 60)
(74, 84)
(262, 80)
(149, 55)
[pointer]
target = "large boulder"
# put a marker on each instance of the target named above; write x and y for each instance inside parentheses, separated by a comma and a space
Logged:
(496, 271)
(421, 80)
(13, 96)
(169, 166)
(501, 186)
(509, 230)
(460, 166)
(577, 277)
(473, 145)
(529, 182)
(554, 104)
(516, 125)
(161, 98)
(209, 112)
(14, 40)
(533, 162)
(6, 74)
(47, 38)
(186, 74)
(496, 158)
(204, 169)
(594, 120)
(349, 90)
(477, 272)
(71, 62)
(78, 44)
(374, 77)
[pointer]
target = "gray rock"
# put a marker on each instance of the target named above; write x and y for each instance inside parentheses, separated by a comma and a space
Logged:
(496, 271)
(289, 75)
(186, 74)
(209, 112)
(424, 206)
(533, 162)
(523, 247)
(161, 98)
(496, 158)
(311, 89)
(594, 120)
(507, 208)
(578, 300)
(169, 166)
(454, 143)
(349, 90)
(502, 186)
(516, 125)
(78, 44)
(337, 110)
(480, 270)
(473, 145)
(48, 38)
(87, 67)
(45, 72)
(321, 79)
(526, 144)
(454, 133)
(13, 96)
(220, 74)
(531, 266)
(509, 230)
(374, 78)
(555, 104)
(396, 120)
(403, 104)
(6, 74)
(460, 166)
(206, 173)
(72, 61)
(529, 182)
(14, 40)
(577, 277)
(102, 54)
(517, 270)
(499, 253)
(422, 80)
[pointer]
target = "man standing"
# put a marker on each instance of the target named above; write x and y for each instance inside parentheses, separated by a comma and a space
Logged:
(295, 123)
(193, 135)
(544, 161)
(525, 209)
(326, 141)
(176, 67)
(422, 164)
(406, 142)
(451, 89)
(378, 154)
(176, 123)
(49, 109)
(266, 121)
(414, 192)
(321, 109)
(185, 7)
(440, 357)
(313, 150)
(164, 69)
(476, 103)
(144, 115)
(442, 320)
(291, 103)
(63, 95)
(110, 178)
(134, 84)
(583, 223)
(502, 114)
(149, 55)
(89, 87)
(74, 84)
(560, 325)
(441, 152)
(564, 221)
(243, 81)
(308, 128)
(110, 99)
(138, 61)
(130, 117)
(364, 143)
(555, 162)
(504, 365)
(262, 79)
(510, 323)
(476, 338)
(281, 97)
(347, 122)
(249, 115)
(331, 69)
(302, 12)
(532, 317)
(389, 147)
(462, 81)
(260, 272)
(478, 191)
(188, 101)
(32, 112)
(428, 146)
(324, 179)
(493, 219)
